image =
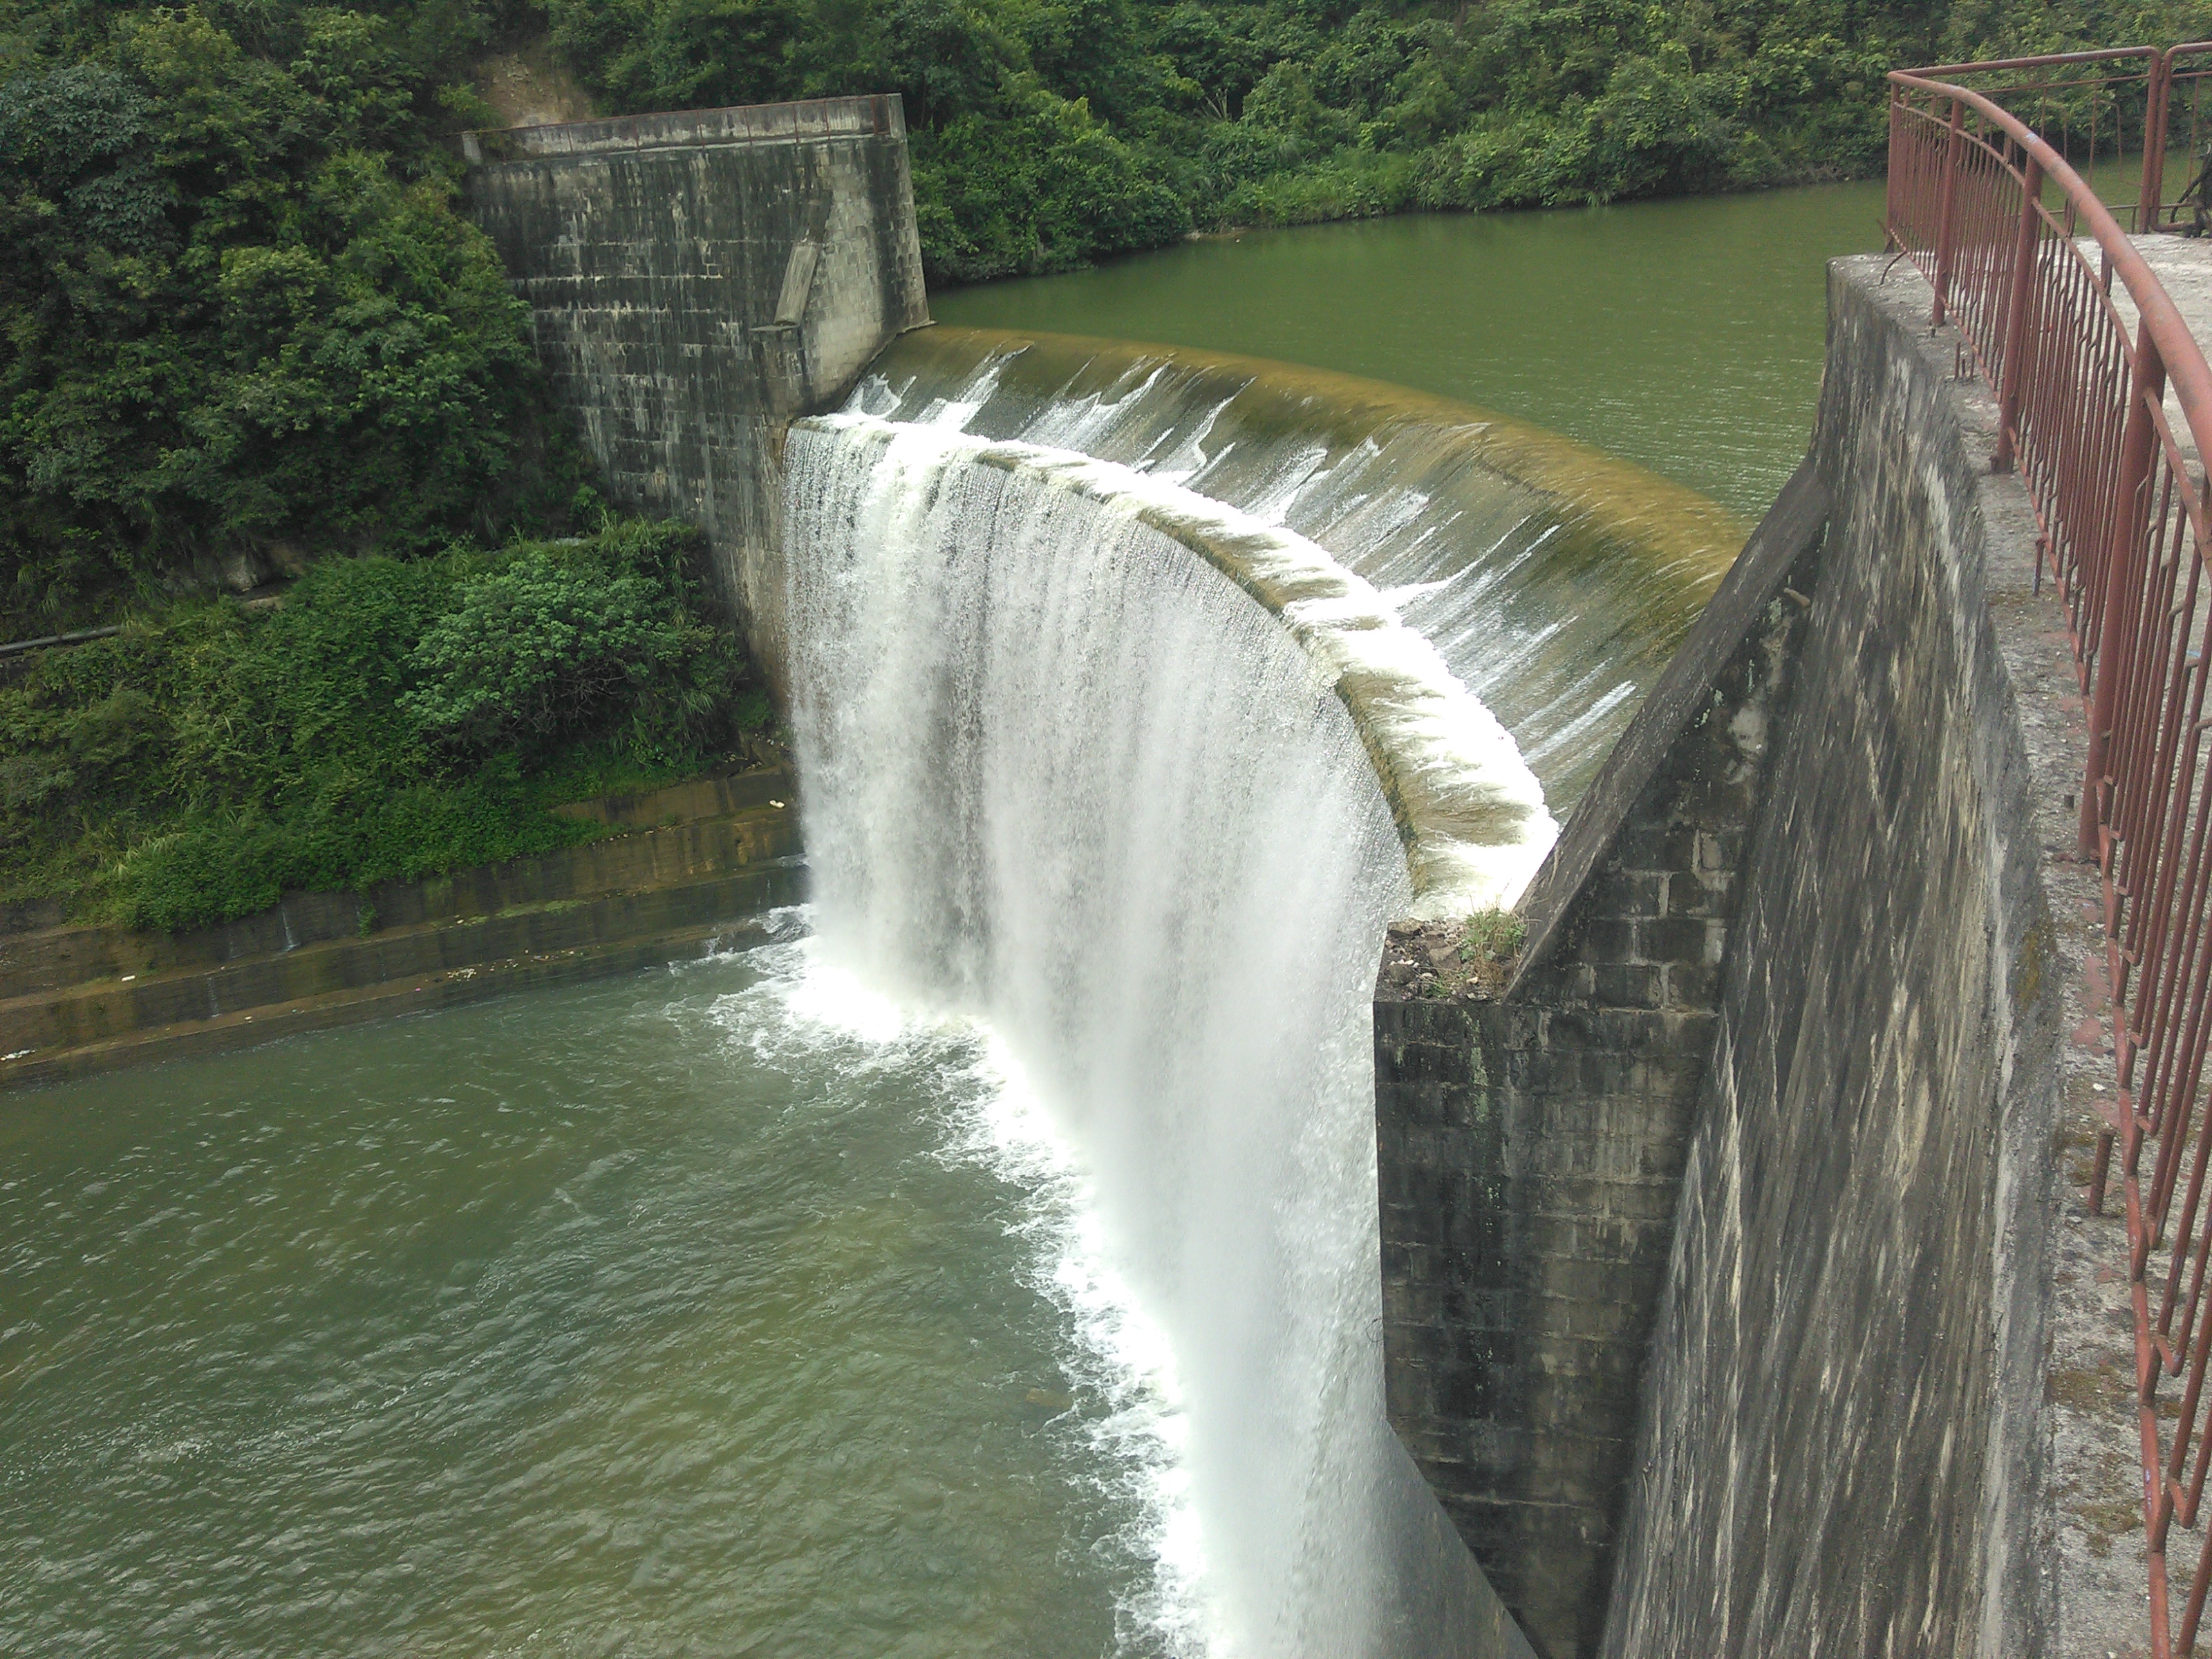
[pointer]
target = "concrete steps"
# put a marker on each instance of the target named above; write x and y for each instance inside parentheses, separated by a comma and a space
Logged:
(75, 1000)
(448, 989)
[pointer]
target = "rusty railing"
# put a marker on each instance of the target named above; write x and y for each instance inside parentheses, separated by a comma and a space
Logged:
(2180, 121)
(2104, 406)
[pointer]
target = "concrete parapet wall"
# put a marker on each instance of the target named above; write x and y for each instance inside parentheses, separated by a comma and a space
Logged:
(1841, 1448)
(696, 279)
(753, 123)
(1717, 1240)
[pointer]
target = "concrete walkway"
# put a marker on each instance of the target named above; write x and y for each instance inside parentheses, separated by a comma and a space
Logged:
(2098, 1559)
(2183, 265)
(2098, 1576)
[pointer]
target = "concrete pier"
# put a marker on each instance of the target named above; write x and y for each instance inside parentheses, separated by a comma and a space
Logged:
(694, 280)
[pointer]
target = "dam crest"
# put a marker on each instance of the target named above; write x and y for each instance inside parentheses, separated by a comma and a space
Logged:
(1470, 813)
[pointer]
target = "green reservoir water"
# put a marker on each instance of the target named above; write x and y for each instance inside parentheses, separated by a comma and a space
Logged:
(1685, 336)
(715, 1311)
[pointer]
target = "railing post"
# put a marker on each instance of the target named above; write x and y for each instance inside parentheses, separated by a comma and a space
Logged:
(2155, 101)
(2016, 314)
(2115, 633)
(1943, 220)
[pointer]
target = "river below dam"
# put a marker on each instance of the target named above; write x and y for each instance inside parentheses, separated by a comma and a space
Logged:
(984, 1267)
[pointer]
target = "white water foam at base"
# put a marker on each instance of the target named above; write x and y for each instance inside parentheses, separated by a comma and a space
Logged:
(804, 1014)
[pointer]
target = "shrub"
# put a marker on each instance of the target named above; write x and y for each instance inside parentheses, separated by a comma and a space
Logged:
(244, 318)
(392, 717)
(548, 646)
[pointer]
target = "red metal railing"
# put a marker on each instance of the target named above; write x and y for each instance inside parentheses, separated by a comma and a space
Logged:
(2178, 118)
(2104, 406)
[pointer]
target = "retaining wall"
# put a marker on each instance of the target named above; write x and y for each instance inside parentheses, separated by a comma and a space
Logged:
(1716, 1242)
(691, 866)
(696, 279)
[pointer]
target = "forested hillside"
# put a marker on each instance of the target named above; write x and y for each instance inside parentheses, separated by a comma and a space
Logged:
(243, 323)
(1048, 131)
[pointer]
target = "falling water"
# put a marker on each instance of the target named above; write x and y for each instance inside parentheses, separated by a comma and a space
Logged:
(1066, 775)
(1554, 581)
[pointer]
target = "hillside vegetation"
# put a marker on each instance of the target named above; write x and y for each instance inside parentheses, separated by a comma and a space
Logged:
(244, 324)
(392, 719)
(1050, 131)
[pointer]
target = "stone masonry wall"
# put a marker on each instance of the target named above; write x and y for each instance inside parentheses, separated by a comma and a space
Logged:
(1717, 1240)
(697, 279)
(1841, 1449)
(1530, 1144)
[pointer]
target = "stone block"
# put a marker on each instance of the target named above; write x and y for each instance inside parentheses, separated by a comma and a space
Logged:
(1629, 893)
(1628, 985)
(1674, 938)
(1656, 845)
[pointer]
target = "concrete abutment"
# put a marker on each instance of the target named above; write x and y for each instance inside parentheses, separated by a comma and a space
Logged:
(696, 281)
(1717, 1243)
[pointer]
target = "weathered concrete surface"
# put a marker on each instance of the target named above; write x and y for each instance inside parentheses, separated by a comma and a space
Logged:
(699, 865)
(1530, 1146)
(2096, 1547)
(2183, 265)
(1885, 1408)
(697, 279)
(1843, 1446)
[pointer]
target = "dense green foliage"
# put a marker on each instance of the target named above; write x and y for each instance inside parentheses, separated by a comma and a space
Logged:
(243, 330)
(390, 718)
(243, 323)
(1049, 131)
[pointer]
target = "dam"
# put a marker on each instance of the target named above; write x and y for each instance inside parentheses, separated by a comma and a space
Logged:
(1054, 1235)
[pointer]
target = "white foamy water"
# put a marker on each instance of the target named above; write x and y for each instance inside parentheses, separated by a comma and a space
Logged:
(1065, 777)
(1551, 581)
(1476, 824)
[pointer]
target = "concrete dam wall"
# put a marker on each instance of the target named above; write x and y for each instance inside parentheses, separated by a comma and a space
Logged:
(1713, 1228)
(1717, 1243)
(694, 280)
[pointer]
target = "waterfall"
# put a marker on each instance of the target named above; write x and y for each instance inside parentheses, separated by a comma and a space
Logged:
(1064, 772)
(1554, 581)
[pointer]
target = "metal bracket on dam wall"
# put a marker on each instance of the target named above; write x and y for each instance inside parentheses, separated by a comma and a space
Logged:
(1716, 1241)
(696, 280)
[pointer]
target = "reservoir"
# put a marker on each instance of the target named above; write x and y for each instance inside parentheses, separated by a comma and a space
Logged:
(984, 1267)
(1685, 336)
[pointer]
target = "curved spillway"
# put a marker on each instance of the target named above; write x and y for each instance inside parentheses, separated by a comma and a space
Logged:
(1470, 811)
(1131, 713)
(1554, 581)
(1066, 776)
